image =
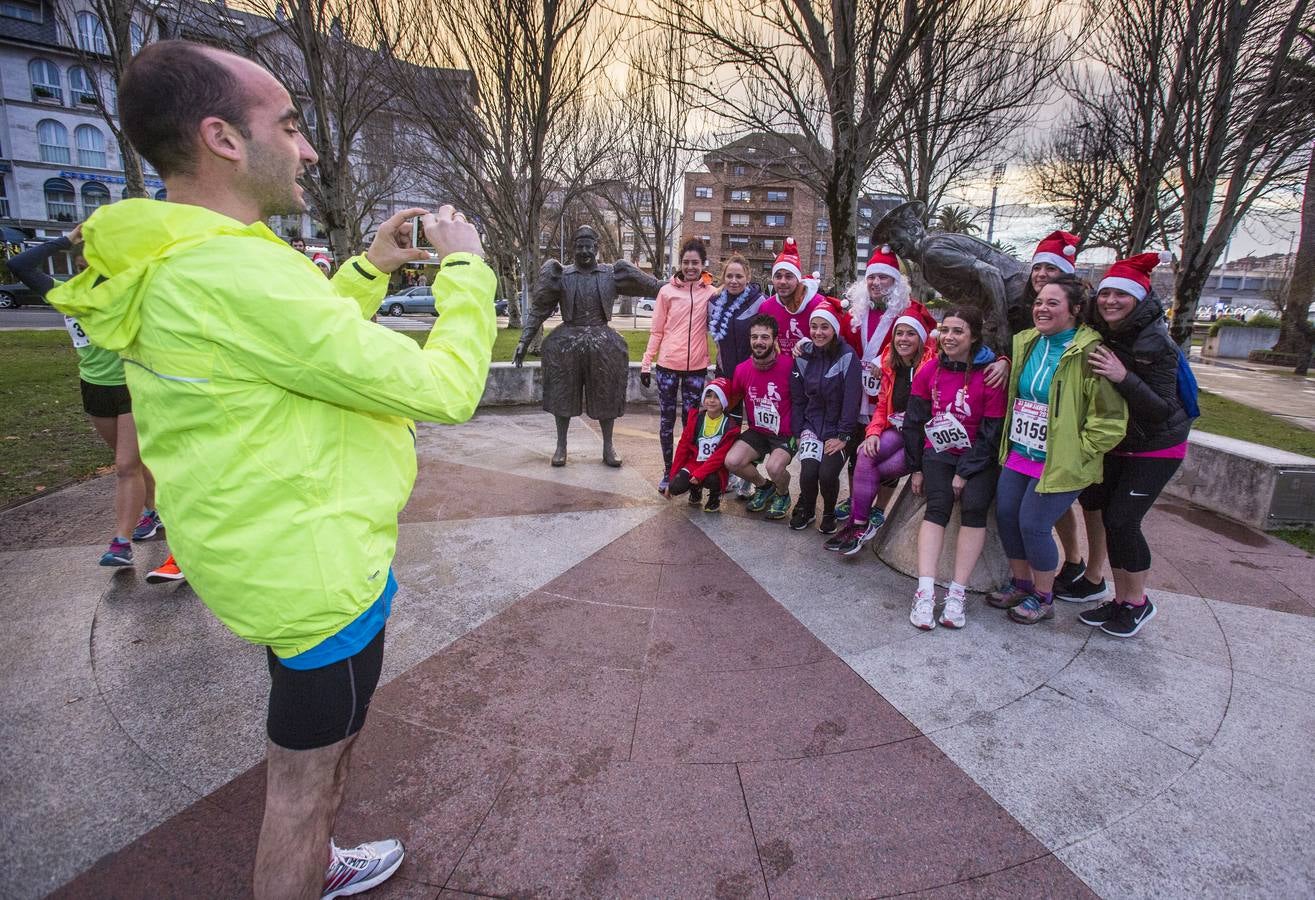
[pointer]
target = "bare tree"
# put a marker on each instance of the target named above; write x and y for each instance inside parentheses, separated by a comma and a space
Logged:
(980, 70)
(1297, 335)
(1075, 175)
(825, 71)
(105, 35)
(519, 133)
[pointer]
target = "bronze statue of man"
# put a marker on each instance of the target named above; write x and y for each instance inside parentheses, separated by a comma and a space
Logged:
(586, 364)
(963, 269)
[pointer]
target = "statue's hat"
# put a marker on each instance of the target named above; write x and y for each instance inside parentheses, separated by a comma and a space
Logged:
(584, 231)
(909, 211)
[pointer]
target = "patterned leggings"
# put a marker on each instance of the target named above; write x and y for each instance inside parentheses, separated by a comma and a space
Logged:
(690, 385)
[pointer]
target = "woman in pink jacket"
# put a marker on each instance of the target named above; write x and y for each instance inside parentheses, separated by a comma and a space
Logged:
(679, 344)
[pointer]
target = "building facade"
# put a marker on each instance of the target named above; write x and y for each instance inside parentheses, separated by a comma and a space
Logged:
(59, 161)
(751, 198)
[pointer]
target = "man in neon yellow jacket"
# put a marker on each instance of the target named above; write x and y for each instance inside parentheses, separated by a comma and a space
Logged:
(275, 416)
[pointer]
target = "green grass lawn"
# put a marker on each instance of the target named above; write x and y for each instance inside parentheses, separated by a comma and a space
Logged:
(1219, 415)
(45, 437)
(1298, 537)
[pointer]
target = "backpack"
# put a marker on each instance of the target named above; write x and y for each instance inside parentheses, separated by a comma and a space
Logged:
(1187, 388)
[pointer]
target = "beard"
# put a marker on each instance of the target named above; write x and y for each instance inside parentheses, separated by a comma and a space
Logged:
(271, 184)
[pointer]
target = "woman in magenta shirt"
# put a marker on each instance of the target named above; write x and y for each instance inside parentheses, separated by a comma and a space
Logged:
(952, 431)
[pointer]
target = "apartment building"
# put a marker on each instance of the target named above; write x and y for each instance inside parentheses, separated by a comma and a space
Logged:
(752, 197)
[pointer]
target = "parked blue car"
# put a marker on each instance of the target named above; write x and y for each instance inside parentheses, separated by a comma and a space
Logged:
(409, 300)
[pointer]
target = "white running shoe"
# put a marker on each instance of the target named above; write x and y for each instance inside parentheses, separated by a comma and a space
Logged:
(744, 490)
(952, 615)
(361, 868)
(924, 604)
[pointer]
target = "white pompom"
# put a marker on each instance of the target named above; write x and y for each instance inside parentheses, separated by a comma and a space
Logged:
(1070, 250)
(885, 248)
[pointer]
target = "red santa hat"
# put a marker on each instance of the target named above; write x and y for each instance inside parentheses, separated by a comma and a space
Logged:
(1059, 249)
(1133, 275)
(824, 312)
(722, 388)
(322, 261)
(789, 260)
(883, 262)
(919, 320)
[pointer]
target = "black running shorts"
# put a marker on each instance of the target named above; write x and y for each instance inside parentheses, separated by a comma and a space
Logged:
(106, 401)
(310, 708)
(764, 443)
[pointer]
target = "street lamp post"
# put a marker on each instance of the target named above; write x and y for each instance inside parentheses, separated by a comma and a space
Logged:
(997, 176)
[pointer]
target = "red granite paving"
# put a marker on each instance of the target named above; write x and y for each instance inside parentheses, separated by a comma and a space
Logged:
(668, 731)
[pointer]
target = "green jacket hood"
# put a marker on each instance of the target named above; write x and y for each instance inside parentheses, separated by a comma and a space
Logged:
(123, 243)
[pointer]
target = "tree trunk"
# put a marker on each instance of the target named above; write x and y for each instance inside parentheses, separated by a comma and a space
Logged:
(134, 182)
(1296, 335)
(841, 197)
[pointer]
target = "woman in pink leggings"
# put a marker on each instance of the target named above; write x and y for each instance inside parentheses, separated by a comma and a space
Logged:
(880, 462)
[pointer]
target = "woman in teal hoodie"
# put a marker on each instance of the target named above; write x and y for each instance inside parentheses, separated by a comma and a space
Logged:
(1060, 421)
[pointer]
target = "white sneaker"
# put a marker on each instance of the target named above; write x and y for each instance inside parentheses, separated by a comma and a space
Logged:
(744, 489)
(923, 606)
(361, 868)
(952, 615)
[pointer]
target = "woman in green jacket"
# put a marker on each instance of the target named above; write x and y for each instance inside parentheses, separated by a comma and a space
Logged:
(1060, 421)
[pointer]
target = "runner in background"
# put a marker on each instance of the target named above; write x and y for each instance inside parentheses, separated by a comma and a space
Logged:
(107, 404)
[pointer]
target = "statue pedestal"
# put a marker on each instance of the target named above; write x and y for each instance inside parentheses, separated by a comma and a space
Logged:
(897, 544)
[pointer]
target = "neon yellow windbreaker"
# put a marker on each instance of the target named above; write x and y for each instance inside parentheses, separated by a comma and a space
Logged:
(271, 411)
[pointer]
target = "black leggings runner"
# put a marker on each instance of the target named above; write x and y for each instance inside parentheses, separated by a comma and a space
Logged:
(1125, 496)
(824, 473)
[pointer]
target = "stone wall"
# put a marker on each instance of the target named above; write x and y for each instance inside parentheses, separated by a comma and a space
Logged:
(1238, 341)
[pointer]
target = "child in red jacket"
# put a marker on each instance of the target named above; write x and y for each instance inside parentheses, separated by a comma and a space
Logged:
(700, 458)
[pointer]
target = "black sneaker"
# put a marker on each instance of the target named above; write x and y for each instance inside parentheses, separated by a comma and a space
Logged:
(1082, 591)
(714, 503)
(695, 496)
(1069, 573)
(801, 518)
(1129, 619)
(1100, 615)
(828, 525)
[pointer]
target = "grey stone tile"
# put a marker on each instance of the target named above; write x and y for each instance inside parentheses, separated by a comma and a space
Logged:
(1268, 739)
(1185, 625)
(1211, 834)
(1036, 758)
(1179, 700)
(1269, 644)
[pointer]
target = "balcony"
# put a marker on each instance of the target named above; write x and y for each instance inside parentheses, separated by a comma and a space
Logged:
(57, 211)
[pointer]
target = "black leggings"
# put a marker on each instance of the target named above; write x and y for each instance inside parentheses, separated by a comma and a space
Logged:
(680, 484)
(824, 473)
(974, 500)
(1125, 496)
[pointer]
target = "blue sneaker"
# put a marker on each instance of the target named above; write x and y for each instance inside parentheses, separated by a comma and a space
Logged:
(761, 498)
(119, 554)
(843, 507)
(779, 508)
(147, 526)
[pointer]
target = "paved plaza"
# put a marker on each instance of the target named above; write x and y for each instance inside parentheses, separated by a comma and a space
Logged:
(592, 692)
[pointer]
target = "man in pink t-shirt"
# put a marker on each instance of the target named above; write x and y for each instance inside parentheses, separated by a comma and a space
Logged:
(763, 381)
(792, 300)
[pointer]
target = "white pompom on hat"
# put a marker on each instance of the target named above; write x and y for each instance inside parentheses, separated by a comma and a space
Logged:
(788, 260)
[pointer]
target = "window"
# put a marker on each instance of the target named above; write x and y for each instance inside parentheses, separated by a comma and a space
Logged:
(738, 241)
(702, 215)
(91, 34)
(865, 212)
(737, 170)
(706, 238)
(18, 9)
(91, 146)
(774, 220)
(863, 243)
(769, 244)
(61, 202)
(4, 201)
(778, 197)
(823, 224)
(94, 196)
(80, 90)
(110, 95)
(703, 193)
(820, 246)
(44, 76)
(52, 142)
(137, 37)
(739, 218)
(741, 196)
